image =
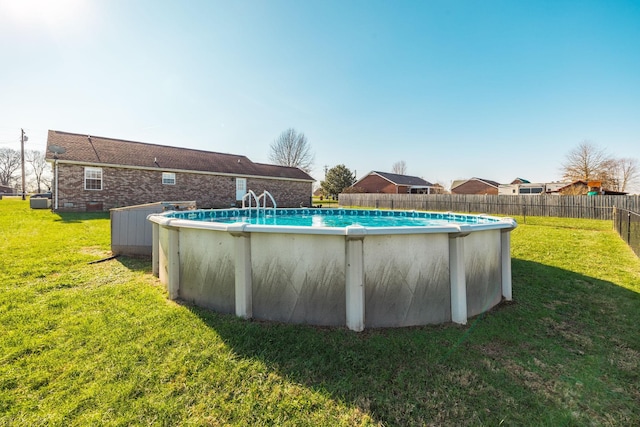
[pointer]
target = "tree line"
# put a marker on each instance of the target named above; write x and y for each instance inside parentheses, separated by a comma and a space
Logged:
(585, 162)
(588, 162)
(38, 174)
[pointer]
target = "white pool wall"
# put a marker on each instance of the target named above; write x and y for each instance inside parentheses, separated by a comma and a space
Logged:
(355, 276)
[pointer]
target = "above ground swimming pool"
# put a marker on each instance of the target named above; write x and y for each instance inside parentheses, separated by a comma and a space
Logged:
(335, 267)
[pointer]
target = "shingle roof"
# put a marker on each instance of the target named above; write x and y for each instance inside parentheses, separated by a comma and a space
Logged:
(401, 179)
(100, 150)
(459, 182)
(521, 181)
(488, 181)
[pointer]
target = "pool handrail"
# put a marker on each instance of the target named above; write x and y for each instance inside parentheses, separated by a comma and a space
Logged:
(249, 194)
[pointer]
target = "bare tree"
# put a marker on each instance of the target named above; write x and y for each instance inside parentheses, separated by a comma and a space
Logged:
(9, 164)
(399, 167)
(588, 162)
(440, 188)
(608, 174)
(38, 165)
(627, 172)
(292, 149)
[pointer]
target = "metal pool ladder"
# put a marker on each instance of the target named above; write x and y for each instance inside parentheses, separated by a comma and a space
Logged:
(263, 196)
(251, 195)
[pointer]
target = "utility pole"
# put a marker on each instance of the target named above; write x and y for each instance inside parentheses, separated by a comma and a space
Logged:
(23, 138)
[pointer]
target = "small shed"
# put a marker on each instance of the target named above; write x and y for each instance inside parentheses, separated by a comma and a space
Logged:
(591, 188)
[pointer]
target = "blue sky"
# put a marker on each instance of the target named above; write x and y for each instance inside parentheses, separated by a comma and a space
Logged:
(456, 89)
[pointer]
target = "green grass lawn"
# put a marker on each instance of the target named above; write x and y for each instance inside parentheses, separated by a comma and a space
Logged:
(100, 344)
(325, 202)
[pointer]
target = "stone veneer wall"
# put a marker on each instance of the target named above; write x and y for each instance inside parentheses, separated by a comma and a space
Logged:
(128, 187)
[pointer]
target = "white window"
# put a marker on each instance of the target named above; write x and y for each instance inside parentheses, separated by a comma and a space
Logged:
(92, 178)
(168, 178)
(241, 188)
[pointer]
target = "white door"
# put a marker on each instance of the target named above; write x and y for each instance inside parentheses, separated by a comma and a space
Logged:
(241, 188)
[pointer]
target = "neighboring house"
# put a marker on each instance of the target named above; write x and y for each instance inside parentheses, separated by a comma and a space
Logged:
(591, 188)
(96, 173)
(392, 183)
(5, 189)
(553, 187)
(474, 186)
(530, 188)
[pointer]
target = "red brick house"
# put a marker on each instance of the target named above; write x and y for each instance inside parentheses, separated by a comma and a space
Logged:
(391, 183)
(97, 173)
(474, 186)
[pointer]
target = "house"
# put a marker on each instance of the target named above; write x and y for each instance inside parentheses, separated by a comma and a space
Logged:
(392, 183)
(5, 189)
(474, 186)
(529, 188)
(98, 173)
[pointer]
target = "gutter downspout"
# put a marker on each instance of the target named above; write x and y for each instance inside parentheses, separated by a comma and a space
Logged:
(55, 160)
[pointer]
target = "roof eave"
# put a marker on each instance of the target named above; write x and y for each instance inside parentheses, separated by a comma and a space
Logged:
(157, 169)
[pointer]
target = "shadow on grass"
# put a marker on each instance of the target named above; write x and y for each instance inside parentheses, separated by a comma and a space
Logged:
(75, 217)
(138, 263)
(554, 355)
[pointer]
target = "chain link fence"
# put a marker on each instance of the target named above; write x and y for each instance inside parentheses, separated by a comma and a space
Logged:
(627, 224)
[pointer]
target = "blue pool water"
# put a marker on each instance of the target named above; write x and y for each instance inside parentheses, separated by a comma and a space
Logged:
(332, 217)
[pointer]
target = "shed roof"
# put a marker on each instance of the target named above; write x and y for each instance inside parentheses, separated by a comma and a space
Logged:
(95, 150)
